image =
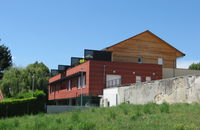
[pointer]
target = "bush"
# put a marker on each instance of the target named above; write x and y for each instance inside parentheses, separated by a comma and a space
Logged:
(17, 107)
(24, 95)
(38, 94)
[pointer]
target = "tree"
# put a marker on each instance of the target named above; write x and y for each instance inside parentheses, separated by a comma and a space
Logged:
(5, 58)
(195, 66)
(38, 72)
(12, 82)
(19, 80)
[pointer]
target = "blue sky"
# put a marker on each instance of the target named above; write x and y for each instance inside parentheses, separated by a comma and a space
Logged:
(52, 31)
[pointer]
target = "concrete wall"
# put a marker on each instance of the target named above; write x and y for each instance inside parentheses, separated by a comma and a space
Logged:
(112, 95)
(169, 72)
(184, 89)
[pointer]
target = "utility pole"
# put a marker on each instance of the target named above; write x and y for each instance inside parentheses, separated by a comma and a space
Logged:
(33, 78)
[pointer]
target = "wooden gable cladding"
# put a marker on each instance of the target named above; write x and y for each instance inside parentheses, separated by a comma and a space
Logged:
(149, 47)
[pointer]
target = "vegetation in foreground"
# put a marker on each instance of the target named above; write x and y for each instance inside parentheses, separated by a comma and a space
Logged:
(125, 116)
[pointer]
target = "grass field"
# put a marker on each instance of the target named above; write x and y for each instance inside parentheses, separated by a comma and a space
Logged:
(125, 116)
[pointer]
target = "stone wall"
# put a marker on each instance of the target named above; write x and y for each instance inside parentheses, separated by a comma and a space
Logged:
(185, 89)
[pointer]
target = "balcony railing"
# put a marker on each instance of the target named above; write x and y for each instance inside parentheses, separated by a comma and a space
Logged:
(113, 83)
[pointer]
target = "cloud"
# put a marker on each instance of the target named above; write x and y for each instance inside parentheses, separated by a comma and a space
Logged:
(13, 58)
(185, 63)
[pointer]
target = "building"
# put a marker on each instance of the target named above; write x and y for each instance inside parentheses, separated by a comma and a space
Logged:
(140, 58)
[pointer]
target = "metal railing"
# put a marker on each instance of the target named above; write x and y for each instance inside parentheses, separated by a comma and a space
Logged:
(113, 83)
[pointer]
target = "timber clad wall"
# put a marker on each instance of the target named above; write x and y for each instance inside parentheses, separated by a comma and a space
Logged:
(149, 47)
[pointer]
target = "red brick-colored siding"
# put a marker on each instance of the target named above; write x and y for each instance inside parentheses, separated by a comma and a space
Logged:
(74, 92)
(95, 77)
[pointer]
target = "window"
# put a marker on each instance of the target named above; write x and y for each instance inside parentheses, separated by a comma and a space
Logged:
(79, 82)
(140, 59)
(113, 80)
(69, 85)
(83, 81)
(148, 78)
(160, 61)
(138, 79)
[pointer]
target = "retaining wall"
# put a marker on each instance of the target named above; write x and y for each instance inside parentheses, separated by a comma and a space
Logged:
(185, 89)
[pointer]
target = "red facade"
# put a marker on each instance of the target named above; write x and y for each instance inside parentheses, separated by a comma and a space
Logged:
(95, 73)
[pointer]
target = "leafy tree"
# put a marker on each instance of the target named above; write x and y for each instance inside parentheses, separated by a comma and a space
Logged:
(195, 66)
(19, 80)
(40, 74)
(12, 81)
(5, 58)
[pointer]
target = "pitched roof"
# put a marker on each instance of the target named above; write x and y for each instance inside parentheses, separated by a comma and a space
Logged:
(147, 31)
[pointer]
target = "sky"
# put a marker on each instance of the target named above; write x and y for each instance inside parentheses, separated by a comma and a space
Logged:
(53, 31)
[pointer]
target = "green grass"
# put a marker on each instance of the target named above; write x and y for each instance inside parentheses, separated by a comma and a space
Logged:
(122, 117)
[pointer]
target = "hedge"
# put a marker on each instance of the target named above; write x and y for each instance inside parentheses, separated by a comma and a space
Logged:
(18, 107)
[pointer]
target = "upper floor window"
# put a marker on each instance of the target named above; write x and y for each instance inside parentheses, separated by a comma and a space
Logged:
(83, 81)
(160, 61)
(69, 85)
(139, 59)
(79, 82)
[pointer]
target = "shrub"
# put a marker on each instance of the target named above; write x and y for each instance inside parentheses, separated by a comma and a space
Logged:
(38, 94)
(17, 107)
(24, 95)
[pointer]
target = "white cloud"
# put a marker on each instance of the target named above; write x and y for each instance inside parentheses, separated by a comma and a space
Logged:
(13, 58)
(185, 63)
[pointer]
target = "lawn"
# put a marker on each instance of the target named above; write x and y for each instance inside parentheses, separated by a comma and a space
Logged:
(124, 116)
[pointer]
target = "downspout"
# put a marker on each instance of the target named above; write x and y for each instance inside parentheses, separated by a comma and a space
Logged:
(104, 75)
(174, 68)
